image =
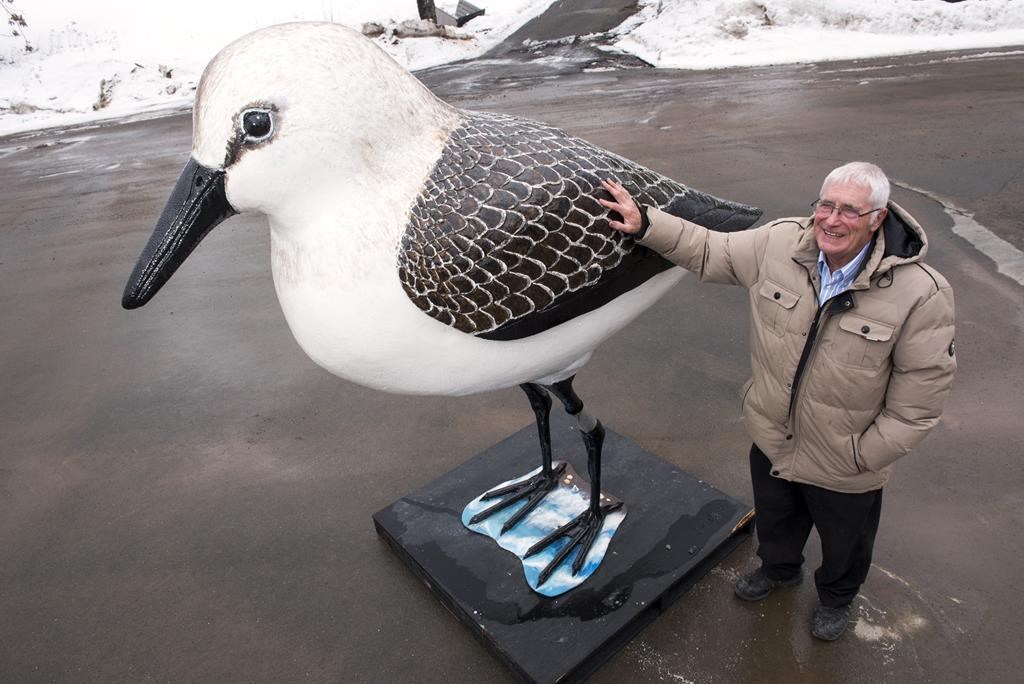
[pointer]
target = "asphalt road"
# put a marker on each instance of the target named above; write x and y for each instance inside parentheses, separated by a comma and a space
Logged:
(184, 496)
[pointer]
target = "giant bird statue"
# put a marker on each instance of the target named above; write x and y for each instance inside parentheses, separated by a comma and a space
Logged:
(419, 248)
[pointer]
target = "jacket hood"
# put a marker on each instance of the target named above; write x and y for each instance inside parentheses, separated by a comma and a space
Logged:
(902, 240)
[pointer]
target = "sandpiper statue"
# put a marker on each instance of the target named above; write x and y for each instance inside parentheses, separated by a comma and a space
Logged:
(423, 249)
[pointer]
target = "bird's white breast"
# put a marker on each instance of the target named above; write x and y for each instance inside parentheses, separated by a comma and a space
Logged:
(365, 329)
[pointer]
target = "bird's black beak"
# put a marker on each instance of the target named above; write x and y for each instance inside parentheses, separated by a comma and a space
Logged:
(197, 204)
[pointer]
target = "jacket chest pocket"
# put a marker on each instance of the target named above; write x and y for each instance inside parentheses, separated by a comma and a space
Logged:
(775, 306)
(861, 342)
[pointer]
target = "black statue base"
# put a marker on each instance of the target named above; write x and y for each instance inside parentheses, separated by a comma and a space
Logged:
(677, 529)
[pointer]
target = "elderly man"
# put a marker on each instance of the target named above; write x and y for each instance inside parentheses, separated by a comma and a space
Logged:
(852, 353)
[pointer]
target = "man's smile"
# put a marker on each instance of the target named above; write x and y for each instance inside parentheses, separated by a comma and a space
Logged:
(835, 236)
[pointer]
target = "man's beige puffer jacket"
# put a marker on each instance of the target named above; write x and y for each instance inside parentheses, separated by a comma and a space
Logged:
(880, 361)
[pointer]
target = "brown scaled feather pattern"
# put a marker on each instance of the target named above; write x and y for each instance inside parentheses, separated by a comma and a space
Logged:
(508, 222)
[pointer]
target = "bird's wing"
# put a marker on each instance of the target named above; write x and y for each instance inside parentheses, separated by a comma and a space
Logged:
(507, 238)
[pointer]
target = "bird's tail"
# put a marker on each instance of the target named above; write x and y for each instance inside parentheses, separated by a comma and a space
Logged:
(712, 212)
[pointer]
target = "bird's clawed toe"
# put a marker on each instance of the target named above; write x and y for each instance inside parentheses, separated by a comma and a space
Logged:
(533, 489)
(581, 531)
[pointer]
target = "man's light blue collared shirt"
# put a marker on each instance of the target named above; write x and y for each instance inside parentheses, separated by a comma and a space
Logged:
(840, 281)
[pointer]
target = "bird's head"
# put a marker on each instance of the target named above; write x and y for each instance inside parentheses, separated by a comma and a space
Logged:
(286, 117)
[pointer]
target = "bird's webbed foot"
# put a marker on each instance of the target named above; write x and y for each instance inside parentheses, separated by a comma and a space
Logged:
(581, 531)
(533, 489)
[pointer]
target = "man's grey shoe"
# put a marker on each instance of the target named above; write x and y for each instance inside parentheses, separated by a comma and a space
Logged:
(756, 585)
(828, 624)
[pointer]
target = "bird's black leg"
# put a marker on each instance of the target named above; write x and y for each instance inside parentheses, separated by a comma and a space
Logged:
(535, 488)
(584, 528)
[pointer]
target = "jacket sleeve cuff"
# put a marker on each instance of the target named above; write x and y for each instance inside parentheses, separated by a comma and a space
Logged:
(676, 239)
(645, 222)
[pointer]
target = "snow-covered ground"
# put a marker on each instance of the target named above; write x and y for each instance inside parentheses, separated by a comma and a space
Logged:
(723, 33)
(140, 56)
(113, 58)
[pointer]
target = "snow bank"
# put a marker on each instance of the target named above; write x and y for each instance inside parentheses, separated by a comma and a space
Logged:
(114, 58)
(702, 34)
(118, 57)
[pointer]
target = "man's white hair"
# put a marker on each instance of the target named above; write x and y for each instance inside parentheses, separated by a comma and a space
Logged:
(864, 174)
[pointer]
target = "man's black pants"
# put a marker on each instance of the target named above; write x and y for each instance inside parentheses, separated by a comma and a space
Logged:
(846, 523)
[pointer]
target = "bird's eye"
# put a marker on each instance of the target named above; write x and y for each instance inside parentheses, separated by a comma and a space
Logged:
(257, 124)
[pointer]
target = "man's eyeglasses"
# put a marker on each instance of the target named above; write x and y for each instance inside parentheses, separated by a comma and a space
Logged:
(824, 209)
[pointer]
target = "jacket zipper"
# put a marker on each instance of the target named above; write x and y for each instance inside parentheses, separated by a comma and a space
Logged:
(841, 302)
(812, 335)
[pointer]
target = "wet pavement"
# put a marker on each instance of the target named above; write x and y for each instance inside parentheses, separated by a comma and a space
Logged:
(184, 496)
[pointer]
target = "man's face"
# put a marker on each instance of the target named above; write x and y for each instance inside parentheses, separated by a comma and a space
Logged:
(841, 238)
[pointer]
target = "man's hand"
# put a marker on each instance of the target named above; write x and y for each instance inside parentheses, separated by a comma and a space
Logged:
(622, 203)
